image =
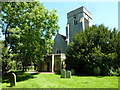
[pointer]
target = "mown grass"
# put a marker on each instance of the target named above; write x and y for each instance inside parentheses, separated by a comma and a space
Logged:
(49, 80)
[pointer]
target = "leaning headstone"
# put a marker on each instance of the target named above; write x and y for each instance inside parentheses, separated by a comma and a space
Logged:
(68, 74)
(63, 73)
(12, 79)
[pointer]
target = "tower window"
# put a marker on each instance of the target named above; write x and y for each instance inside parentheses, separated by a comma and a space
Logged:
(86, 22)
(75, 20)
(81, 25)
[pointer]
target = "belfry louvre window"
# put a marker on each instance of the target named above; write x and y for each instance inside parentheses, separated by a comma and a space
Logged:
(75, 20)
(86, 22)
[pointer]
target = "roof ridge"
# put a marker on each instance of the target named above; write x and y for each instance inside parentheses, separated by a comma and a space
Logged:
(63, 36)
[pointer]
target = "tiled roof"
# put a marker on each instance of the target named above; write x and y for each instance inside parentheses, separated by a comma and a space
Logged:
(64, 37)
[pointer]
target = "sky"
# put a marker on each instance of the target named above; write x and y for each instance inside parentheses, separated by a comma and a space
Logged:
(102, 12)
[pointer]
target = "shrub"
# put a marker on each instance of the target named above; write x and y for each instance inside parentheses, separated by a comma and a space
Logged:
(96, 46)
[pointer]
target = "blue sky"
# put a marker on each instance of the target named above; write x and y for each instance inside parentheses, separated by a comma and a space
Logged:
(102, 12)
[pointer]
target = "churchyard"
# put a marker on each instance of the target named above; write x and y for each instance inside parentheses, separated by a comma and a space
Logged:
(93, 54)
(51, 80)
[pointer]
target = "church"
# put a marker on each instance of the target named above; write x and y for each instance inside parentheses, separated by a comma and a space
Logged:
(77, 20)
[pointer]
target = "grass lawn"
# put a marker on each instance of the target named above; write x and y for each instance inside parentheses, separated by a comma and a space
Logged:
(49, 80)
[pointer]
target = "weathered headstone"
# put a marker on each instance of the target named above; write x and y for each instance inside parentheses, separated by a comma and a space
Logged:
(72, 71)
(12, 79)
(63, 73)
(97, 70)
(68, 74)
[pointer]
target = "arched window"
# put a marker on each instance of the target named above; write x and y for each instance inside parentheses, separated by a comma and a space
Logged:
(75, 20)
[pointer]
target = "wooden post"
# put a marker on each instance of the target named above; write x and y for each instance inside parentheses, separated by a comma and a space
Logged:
(52, 62)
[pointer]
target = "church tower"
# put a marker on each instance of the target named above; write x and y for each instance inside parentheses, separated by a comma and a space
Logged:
(77, 20)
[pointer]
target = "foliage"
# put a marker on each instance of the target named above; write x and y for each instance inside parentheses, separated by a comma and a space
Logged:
(96, 46)
(28, 28)
(6, 59)
(114, 72)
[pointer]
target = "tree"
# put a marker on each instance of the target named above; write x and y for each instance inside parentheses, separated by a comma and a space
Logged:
(28, 29)
(118, 49)
(93, 51)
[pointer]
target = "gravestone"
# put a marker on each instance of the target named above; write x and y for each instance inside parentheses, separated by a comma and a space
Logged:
(12, 79)
(68, 74)
(72, 71)
(97, 70)
(63, 73)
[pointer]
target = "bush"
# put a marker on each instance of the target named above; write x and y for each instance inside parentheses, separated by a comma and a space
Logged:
(94, 51)
(114, 72)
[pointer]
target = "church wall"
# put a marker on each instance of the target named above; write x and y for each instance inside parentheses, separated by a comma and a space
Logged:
(57, 63)
(88, 18)
(74, 28)
(43, 65)
(76, 11)
(59, 44)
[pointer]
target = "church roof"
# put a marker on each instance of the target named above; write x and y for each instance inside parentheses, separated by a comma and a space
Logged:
(64, 37)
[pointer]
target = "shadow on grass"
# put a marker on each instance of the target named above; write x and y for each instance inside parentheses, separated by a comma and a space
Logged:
(20, 76)
(9, 86)
(24, 77)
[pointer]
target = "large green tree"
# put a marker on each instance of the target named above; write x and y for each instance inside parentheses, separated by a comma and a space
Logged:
(28, 28)
(93, 51)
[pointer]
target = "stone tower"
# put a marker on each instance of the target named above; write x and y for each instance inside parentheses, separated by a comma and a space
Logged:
(77, 20)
